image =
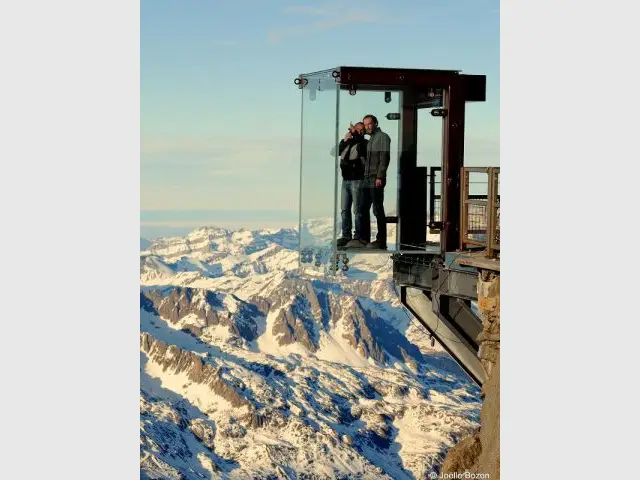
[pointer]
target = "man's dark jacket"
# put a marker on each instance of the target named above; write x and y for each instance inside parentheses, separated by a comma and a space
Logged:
(353, 169)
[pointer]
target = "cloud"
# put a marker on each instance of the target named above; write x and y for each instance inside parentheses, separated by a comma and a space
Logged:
(326, 19)
(230, 151)
(222, 172)
(210, 172)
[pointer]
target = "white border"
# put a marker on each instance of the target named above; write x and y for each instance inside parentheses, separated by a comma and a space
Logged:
(69, 96)
(569, 323)
(69, 195)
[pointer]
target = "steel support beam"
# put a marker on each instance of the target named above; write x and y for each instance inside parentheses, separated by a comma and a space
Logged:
(426, 274)
(445, 331)
(452, 162)
(459, 317)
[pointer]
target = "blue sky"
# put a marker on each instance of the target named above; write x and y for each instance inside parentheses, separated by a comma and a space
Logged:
(220, 116)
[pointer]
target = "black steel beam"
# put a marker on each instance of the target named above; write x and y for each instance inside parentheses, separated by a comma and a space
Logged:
(459, 316)
(421, 272)
(457, 284)
(451, 331)
(452, 162)
(415, 275)
(408, 133)
(395, 77)
(475, 88)
(403, 79)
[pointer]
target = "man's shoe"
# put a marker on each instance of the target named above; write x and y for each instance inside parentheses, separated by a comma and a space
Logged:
(342, 242)
(375, 245)
(356, 243)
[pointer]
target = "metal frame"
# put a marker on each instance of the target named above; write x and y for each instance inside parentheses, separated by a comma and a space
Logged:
(427, 273)
(416, 86)
(399, 79)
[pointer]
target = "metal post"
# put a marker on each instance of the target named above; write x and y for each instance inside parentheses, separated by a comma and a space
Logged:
(408, 131)
(452, 162)
(334, 242)
(491, 211)
(464, 206)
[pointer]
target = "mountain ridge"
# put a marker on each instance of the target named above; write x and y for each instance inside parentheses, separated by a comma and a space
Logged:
(250, 370)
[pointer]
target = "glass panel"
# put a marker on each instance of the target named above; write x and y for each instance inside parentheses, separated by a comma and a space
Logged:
(318, 173)
(351, 171)
(430, 130)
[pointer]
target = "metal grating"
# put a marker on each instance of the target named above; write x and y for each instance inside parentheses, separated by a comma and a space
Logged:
(480, 219)
(476, 221)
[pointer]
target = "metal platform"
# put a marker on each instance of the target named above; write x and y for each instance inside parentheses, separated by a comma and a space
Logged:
(429, 251)
(479, 261)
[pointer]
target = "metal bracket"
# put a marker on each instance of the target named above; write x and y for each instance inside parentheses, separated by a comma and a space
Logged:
(301, 82)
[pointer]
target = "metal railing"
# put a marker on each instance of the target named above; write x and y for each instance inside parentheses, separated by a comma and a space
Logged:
(480, 217)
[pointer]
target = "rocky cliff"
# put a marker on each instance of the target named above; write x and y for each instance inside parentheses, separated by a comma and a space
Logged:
(480, 453)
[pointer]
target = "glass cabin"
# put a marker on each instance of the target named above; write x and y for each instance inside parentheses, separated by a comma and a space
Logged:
(335, 99)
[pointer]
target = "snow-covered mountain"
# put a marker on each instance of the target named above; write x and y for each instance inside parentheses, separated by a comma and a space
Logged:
(251, 370)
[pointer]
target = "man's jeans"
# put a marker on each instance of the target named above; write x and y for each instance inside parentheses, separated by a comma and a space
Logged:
(351, 196)
(372, 195)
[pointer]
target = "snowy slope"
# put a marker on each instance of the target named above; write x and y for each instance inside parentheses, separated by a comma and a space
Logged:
(249, 370)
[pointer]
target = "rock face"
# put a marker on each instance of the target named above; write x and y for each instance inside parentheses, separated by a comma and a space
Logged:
(181, 361)
(489, 305)
(204, 431)
(291, 328)
(480, 453)
(299, 315)
(250, 370)
(205, 309)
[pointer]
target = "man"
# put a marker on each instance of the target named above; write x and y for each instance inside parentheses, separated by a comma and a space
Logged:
(353, 149)
(375, 178)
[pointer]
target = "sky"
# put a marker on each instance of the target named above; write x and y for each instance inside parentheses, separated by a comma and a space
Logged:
(220, 115)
